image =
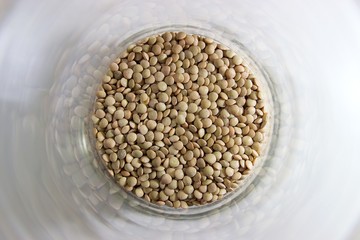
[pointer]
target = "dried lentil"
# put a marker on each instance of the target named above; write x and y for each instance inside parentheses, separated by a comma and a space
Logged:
(179, 120)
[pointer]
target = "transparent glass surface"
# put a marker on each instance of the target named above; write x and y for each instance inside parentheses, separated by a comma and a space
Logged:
(52, 56)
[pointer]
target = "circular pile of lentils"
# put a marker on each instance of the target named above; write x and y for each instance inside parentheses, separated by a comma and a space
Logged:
(179, 120)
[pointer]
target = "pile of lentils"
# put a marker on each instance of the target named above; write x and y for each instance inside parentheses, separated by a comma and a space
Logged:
(179, 120)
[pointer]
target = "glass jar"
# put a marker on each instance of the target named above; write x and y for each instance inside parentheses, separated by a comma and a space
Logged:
(52, 55)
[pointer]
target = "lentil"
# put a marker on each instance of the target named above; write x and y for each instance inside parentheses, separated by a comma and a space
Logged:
(179, 120)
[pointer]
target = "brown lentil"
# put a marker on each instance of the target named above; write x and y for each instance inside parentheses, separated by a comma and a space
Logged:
(179, 120)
